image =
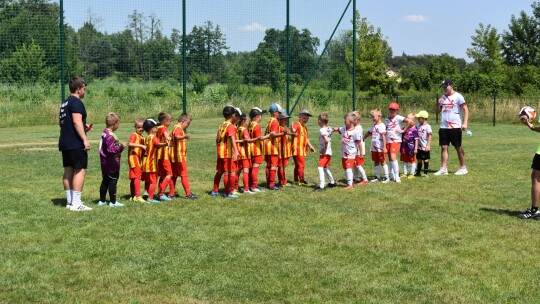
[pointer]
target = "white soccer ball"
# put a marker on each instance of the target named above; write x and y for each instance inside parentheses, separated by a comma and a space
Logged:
(527, 113)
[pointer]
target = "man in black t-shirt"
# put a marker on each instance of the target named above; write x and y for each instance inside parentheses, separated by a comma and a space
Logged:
(74, 144)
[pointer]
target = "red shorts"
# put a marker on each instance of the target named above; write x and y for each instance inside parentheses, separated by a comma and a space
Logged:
(359, 161)
(230, 165)
(180, 168)
(407, 158)
(393, 148)
(257, 159)
(244, 164)
(150, 177)
(135, 173)
(284, 162)
(378, 157)
(347, 163)
(220, 164)
(272, 160)
(164, 167)
(324, 161)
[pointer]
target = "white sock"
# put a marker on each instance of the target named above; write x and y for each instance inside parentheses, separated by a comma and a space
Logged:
(329, 174)
(395, 167)
(69, 196)
(349, 176)
(321, 177)
(378, 171)
(405, 168)
(76, 199)
(362, 172)
(355, 173)
(385, 170)
(413, 168)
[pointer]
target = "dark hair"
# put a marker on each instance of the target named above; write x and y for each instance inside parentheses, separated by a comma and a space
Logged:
(229, 111)
(76, 83)
(164, 115)
(183, 117)
(324, 118)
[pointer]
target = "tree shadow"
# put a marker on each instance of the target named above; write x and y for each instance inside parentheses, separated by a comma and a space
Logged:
(512, 213)
(59, 202)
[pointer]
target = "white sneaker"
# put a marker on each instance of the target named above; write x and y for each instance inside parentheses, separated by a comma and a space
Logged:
(441, 172)
(256, 190)
(80, 207)
(385, 180)
(461, 171)
(249, 192)
(375, 180)
(398, 179)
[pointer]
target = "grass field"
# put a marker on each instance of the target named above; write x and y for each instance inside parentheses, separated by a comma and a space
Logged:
(438, 240)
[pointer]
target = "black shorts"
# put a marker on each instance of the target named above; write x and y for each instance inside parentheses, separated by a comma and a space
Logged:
(536, 162)
(423, 155)
(450, 136)
(77, 159)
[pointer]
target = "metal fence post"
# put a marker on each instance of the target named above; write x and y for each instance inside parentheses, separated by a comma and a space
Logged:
(494, 107)
(437, 104)
(62, 53)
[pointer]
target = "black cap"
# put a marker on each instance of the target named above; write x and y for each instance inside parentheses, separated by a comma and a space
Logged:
(447, 82)
(149, 124)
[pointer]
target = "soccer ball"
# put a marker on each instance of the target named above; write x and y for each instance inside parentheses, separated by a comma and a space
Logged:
(527, 113)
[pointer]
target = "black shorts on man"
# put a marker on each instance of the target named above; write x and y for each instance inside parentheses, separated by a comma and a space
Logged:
(450, 136)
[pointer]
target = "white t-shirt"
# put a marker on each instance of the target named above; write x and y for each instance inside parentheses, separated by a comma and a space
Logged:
(360, 131)
(327, 131)
(349, 140)
(423, 131)
(451, 111)
(376, 137)
(392, 126)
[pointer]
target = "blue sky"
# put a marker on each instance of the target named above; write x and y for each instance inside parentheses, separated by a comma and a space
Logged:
(414, 26)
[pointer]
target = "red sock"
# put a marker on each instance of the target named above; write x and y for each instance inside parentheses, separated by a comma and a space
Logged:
(217, 179)
(301, 174)
(226, 181)
(236, 182)
(245, 179)
(255, 177)
(282, 178)
(163, 185)
(151, 190)
(267, 175)
(272, 181)
(172, 185)
(132, 187)
(185, 184)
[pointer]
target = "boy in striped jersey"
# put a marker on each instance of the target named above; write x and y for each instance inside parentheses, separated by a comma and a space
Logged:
(271, 148)
(179, 152)
(285, 150)
(135, 152)
(227, 153)
(150, 159)
(164, 169)
(256, 147)
(300, 146)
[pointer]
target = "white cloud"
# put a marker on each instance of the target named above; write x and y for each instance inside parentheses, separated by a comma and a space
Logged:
(414, 18)
(253, 27)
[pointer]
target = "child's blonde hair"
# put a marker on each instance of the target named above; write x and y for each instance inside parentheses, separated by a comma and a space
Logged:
(411, 117)
(324, 118)
(358, 116)
(138, 121)
(375, 112)
(111, 119)
(350, 117)
(184, 117)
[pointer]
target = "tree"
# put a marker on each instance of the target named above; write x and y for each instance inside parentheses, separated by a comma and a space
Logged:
(486, 49)
(205, 46)
(265, 68)
(28, 64)
(521, 41)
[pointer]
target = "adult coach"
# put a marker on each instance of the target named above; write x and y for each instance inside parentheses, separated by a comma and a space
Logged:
(74, 144)
(452, 105)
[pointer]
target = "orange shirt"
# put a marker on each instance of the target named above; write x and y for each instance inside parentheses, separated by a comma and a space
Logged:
(150, 157)
(162, 152)
(179, 148)
(243, 147)
(224, 140)
(299, 144)
(255, 131)
(286, 149)
(271, 145)
(135, 153)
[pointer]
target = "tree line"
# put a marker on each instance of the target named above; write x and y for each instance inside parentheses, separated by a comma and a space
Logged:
(506, 62)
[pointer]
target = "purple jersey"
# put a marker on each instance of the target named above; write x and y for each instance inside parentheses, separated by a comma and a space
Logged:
(409, 138)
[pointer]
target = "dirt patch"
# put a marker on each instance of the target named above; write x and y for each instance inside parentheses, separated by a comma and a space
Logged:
(40, 149)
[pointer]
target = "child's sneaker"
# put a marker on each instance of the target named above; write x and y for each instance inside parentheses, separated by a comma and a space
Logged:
(212, 193)
(256, 190)
(364, 182)
(273, 188)
(80, 207)
(100, 203)
(248, 192)
(375, 180)
(138, 199)
(230, 196)
(164, 198)
(348, 187)
(192, 196)
(331, 185)
(386, 180)
(117, 204)
(529, 215)
(131, 199)
(403, 175)
(461, 171)
(425, 175)
(303, 183)
(411, 176)
(318, 189)
(441, 172)
(236, 192)
(145, 193)
(175, 195)
(152, 201)
(398, 179)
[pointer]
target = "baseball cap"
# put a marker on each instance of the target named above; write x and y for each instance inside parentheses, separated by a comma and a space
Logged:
(393, 106)
(423, 114)
(149, 124)
(305, 112)
(283, 114)
(256, 111)
(237, 111)
(274, 108)
(447, 82)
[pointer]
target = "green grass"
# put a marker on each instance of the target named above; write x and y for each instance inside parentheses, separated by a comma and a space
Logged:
(437, 240)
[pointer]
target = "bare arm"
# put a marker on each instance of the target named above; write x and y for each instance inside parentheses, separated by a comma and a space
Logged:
(80, 129)
(465, 123)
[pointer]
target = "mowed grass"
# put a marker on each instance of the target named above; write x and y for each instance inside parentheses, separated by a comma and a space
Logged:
(438, 240)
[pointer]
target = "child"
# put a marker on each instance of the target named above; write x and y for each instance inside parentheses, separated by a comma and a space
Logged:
(164, 169)
(244, 159)
(325, 151)
(150, 159)
(424, 144)
(179, 152)
(271, 148)
(135, 151)
(300, 145)
(285, 151)
(393, 137)
(409, 146)
(255, 133)
(360, 153)
(110, 150)
(378, 145)
(349, 143)
(227, 153)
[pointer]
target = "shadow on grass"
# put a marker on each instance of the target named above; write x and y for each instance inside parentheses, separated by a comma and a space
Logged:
(502, 211)
(59, 202)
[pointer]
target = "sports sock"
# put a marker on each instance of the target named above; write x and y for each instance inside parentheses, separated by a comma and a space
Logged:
(349, 176)
(163, 185)
(185, 184)
(329, 174)
(362, 172)
(418, 168)
(267, 175)
(255, 177)
(76, 198)
(172, 186)
(385, 170)
(272, 178)
(426, 167)
(405, 168)
(321, 177)
(217, 179)
(281, 175)
(226, 181)
(245, 180)
(413, 168)
(378, 171)
(151, 190)
(395, 168)
(69, 196)
(355, 173)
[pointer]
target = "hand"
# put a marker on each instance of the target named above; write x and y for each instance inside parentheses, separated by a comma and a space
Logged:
(123, 145)
(464, 127)
(428, 148)
(143, 147)
(86, 145)
(89, 127)
(361, 156)
(188, 136)
(384, 150)
(312, 149)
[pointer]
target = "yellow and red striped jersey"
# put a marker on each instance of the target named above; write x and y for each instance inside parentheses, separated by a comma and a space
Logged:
(255, 131)
(299, 144)
(150, 157)
(271, 145)
(243, 147)
(135, 153)
(179, 147)
(286, 147)
(224, 140)
(162, 152)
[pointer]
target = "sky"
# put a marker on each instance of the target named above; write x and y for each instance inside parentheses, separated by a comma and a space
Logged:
(413, 27)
